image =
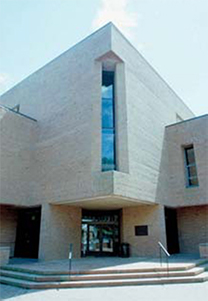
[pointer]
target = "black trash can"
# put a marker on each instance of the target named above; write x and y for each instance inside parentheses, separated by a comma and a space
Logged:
(125, 250)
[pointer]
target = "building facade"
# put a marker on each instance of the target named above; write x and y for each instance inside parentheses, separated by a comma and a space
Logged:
(101, 152)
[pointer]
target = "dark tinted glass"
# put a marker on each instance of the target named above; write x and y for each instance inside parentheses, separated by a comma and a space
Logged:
(141, 230)
(193, 181)
(107, 78)
(190, 159)
(192, 171)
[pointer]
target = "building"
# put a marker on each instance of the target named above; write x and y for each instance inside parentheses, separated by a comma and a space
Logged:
(98, 150)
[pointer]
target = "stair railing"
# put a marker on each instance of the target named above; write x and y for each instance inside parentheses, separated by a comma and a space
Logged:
(162, 248)
(70, 256)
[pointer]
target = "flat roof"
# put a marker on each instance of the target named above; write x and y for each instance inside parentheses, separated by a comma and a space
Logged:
(190, 119)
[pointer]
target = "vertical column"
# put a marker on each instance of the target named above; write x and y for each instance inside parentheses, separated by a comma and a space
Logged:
(60, 226)
(121, 119)
(96, 122)
(151, 216)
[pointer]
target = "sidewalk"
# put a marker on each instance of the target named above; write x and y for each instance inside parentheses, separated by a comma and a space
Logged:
(179, 292)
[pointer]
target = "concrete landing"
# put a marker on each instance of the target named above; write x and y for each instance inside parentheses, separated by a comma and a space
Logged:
(107, 263)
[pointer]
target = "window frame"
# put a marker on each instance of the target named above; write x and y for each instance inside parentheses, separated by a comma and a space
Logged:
(187, 166)
(113, 128)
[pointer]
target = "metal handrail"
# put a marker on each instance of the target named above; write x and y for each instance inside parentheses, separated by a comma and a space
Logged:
(70, 256)
(162, 248)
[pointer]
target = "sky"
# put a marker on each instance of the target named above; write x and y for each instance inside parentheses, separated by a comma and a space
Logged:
(172, 35)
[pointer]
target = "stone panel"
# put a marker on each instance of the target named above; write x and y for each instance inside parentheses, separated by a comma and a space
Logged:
(195, 132)
(192, 227)
(153, 217)
(65, 98)
(17, 158)
(8, 223)
(60, 226)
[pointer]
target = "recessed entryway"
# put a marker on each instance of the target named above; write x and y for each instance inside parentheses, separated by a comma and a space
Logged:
(100, 233)
(171, 230)
(28, 232)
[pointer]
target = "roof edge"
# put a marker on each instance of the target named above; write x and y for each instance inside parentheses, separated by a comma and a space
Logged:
(153, 68)
(109, 24)
(190, 119)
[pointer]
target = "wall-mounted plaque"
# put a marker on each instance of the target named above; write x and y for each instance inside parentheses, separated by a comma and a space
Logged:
(141, 230)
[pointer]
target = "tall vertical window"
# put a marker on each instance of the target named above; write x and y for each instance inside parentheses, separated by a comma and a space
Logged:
(108, 122)
(190, 166)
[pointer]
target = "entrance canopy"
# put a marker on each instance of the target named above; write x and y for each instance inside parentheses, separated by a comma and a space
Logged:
(104, 202)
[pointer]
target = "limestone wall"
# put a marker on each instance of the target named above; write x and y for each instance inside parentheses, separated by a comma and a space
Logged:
(17, 158)
(60, 226)
(8, 224)
(178, 136)
(153, 217)
(65, 98)
(192, 228)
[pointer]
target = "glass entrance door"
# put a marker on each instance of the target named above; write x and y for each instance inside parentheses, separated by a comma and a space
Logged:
(100, 240)
(107, 239)
(100, 236)
(94, 238)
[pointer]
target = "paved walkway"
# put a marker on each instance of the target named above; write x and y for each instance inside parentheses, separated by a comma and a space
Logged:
(173, 292)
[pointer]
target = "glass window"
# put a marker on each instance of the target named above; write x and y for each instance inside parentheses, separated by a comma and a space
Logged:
(108, 122)
(190, 166)
(107, 113)
(107, 91)
(108, 154)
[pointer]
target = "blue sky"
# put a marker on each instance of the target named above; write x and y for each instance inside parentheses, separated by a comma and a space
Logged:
(171, 34)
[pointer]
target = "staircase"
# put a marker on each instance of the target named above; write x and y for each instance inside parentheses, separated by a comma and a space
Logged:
(30, 279)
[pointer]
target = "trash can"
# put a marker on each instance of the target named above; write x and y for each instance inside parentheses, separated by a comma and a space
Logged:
(125, 250)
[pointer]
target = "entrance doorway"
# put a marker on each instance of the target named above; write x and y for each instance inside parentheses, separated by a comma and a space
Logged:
(28, 232)
(171, 230)
(100, 233)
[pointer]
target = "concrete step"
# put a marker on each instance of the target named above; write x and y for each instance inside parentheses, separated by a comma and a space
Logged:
(100, 283)
(110, 276)
(43, 279)
(163, 268)
(192, 272)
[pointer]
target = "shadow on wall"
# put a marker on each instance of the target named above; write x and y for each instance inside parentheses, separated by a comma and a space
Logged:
(162, 191)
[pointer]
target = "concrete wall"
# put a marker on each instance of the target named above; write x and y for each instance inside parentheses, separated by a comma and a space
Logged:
(153, 217)
(8, 224)
(192, 228)
(64, 96)
(151, 105)
(60, 226)
(17, 158)
(193, 132)
(58, 159)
